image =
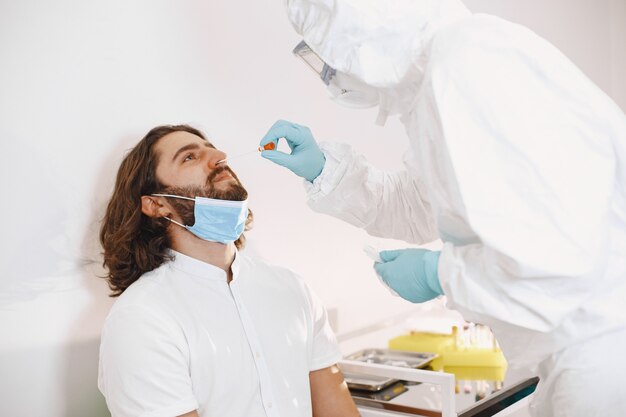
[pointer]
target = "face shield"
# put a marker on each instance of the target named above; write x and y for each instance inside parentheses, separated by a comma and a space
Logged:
(313, 61)
(343, 89)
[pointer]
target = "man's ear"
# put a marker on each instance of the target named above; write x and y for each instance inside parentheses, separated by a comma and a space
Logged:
(153, 207)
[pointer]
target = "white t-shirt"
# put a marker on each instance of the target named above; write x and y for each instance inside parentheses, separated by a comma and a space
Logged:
(181, 339)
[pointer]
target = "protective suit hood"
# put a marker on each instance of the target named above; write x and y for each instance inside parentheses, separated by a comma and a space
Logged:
(380, 43)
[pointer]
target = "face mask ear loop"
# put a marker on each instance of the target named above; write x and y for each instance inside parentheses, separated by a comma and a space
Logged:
(175, 222)
(174, 196)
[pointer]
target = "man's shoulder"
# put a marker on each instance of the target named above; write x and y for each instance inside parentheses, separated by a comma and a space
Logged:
(143, 295)
(261, 265)
(262, 270)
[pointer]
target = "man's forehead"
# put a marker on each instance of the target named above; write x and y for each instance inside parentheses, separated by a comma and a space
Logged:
(170, 143)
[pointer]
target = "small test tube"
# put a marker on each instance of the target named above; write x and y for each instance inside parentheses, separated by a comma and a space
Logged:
(269, 147)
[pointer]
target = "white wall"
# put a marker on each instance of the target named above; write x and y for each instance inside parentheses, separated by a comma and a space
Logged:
(80, 82)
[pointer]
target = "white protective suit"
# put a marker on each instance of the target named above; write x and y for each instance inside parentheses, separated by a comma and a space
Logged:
(517, 162)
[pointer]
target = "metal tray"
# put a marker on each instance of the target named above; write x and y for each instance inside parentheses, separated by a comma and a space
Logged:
(367, 382)
(384, 357)
(393, 357)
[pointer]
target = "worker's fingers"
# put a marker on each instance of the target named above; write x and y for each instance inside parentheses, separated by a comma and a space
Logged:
(389, 255)
(294, 134)
(279, 129)
(278, 157)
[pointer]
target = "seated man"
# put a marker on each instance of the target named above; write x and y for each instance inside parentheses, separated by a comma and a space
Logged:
(199, 328)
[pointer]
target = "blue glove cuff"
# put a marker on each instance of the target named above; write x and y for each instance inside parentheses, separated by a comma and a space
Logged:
(431, 270)
(317, 170)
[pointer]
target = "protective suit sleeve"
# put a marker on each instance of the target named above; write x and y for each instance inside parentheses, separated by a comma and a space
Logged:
(535, 170)
(385, 204)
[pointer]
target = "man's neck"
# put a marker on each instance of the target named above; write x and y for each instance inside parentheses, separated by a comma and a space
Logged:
(214, 253)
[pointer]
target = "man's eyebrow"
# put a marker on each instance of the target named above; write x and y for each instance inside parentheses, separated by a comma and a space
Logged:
(188, 147)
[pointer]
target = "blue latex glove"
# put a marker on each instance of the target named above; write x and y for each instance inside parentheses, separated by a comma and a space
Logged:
(412, 273)
(306, 160)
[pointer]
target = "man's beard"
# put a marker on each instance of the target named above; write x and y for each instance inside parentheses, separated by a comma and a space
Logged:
(185, 208)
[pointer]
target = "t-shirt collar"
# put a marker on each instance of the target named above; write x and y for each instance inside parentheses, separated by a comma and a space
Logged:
(202, 269)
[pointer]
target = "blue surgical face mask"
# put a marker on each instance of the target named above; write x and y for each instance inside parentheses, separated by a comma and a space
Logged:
(220, 221)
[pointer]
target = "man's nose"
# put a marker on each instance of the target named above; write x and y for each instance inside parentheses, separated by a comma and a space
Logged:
(215, 158)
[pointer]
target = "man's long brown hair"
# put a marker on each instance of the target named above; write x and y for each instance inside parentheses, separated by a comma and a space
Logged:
(133, 242)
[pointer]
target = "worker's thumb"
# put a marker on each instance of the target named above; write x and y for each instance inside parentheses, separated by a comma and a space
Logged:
(278, 157)
(389, 255)
(381, 270)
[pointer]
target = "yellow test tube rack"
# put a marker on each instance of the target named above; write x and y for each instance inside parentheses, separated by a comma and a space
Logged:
(462, 359)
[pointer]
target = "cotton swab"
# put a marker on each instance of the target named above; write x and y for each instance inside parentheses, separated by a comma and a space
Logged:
(269, 147)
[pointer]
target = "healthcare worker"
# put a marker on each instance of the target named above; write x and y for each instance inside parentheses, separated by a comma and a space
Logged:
(517, 162)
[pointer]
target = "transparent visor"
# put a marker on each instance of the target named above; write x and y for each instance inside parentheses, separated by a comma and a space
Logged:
(313, 61)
